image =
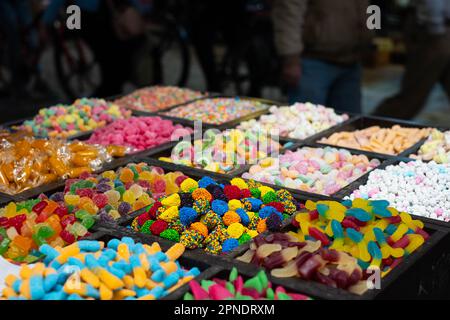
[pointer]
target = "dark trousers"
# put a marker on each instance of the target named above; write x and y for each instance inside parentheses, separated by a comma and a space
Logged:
(331, 85)
(428, 64)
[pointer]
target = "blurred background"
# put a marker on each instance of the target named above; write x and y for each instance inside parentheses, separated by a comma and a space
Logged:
(285, 50)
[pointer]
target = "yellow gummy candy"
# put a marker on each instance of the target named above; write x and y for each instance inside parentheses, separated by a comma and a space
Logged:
(110, 280)
(401, 230)
(89, 277)
(123, 251)
(105, 293)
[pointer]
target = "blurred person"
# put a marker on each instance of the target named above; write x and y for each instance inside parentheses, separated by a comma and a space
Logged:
(320, 43)
(113, 29)
(208, 20)
(15, 16)
(428, 61)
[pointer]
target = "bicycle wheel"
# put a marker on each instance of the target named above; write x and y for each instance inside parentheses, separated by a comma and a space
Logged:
(78, 72)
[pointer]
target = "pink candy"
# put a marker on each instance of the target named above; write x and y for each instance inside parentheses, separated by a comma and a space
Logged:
(139, 133)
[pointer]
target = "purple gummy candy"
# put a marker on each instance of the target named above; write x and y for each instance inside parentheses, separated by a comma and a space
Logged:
(103, 187)
(124, 208)
(57, 197)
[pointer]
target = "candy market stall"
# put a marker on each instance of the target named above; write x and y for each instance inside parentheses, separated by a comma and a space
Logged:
(332, 200)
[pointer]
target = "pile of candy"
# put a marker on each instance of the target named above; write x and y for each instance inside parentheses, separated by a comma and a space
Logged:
(87, 270)
(157, 98)
(139, 133)
(299, 121)
(287, 255)
(317, 170)
(217, 110)
(216, 217)
(416, 187)
(436, 148)
(27, 162)
(26, 225)
(223, 151)
(83, 115)
(255, 288)
(371, 232)
(381, 140)
(113, 194)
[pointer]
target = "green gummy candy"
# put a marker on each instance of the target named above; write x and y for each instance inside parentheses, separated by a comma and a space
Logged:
(283, 296)
(263, 279)
(242, 297)
(81, 214)
(45, 232)
(39, 241)
(121, 190)
(254, 283)
(270, 294)
(188, 296)
(230, 287)
(233, 274)
(206, 284)
(88, 222)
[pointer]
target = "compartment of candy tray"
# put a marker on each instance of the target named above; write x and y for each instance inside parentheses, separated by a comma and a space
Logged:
(364, 122)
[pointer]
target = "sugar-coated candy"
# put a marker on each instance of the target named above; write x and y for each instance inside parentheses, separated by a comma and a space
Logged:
(157, 98)
(26, 225)
(113, 194)
(236, 288)
(223, 151)
(436, 148)
(90, 270)
(83, 115)
(415, 187)
(26, 162)
(299, 121)
(318, 170)
(217, 110)
(139, 133)
(390, 141)
(217, 218)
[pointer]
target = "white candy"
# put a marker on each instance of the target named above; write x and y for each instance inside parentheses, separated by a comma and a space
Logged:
(415, 187)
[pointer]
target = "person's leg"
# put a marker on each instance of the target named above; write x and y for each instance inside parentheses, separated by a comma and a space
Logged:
(345, 93)
(315, 82)
(425, 66)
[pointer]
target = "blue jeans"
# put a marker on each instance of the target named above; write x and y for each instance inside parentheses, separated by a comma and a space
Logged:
(331, 85)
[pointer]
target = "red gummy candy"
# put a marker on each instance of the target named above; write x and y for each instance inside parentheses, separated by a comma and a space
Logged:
(84, 175)
(100, 200)
(180, 179)
(68, 220)
(245, 193)
(38, 207)
(61, 211)
(86, 192)
(153, 210)
(277, 205)
(159, 186)
(318, 235)
(232, 192)
(142, 218)
(4, 222)
(158, 226)
(67, 236)
(42, 217)
(313, 215)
